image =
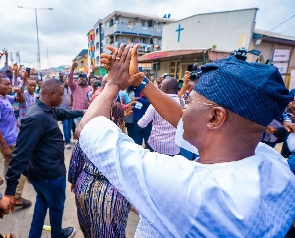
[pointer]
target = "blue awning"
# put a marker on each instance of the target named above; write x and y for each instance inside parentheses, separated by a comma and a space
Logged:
(142, 34)
(129, 33)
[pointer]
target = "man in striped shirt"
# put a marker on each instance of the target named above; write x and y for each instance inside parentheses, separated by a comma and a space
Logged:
(79, 91)
(162, 138)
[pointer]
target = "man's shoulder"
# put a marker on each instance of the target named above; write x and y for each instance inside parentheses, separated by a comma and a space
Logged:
(34, 118)
(10, 98)
(35, 111)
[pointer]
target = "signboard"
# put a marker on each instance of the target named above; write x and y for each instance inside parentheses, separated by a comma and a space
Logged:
(292, 79)
(282, 67)
(281, 55)
(156, 55)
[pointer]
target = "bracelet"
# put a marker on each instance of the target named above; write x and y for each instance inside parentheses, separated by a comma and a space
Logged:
(143, 84)
(185, 85)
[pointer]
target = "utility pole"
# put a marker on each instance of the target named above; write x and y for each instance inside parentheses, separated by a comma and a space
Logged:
(47, 58)
(39, 59)
(18, 55)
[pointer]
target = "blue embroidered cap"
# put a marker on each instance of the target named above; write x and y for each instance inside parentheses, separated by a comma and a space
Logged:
(83, 75)
(253, 91)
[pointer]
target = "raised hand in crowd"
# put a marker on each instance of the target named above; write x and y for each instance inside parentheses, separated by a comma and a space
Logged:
(186, 80)
(74, 66)
(25, 76)
(6, 54)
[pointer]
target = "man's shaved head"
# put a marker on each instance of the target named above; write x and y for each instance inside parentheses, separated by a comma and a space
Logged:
(52, 92)
(169, 85)
(50, 85)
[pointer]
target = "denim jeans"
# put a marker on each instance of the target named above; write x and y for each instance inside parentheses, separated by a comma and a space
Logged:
(50, 194)
(141, 133)
(77, 121)
(130, 129)
(67, 128)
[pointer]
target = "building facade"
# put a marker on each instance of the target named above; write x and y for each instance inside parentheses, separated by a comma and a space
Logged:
(200, 39)
(128, 28)
(91, 48)
(82, 60)
(278, 50)
(207, 37)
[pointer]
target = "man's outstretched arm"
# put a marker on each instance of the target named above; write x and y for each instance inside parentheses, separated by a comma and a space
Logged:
(167, 107)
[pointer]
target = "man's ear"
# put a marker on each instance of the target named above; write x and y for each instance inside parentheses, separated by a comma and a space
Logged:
(218, 117)
(50, 94)
(164, 89)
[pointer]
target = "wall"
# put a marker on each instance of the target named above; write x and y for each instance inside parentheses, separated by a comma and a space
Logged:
(267, 51)
(227, 30)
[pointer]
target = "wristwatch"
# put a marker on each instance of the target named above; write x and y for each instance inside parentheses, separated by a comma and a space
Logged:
(143, 84)
(1, 195)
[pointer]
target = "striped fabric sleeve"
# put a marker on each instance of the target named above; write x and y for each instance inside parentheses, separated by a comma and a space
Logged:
(147, 117)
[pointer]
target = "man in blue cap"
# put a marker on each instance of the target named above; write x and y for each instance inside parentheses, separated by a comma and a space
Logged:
(238, 188)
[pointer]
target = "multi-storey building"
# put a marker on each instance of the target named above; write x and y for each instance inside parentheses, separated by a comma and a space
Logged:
(128, 28)
(91, 48)
(207, 37)
(82, 60)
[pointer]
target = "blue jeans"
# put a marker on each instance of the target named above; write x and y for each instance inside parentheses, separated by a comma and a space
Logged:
(77, 121)
(67, 128)
(50, 194)
(141, 133)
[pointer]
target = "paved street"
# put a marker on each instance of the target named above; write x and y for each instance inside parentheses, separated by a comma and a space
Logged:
(19, 222)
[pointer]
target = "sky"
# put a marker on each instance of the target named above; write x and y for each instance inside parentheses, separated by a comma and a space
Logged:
(63, 31)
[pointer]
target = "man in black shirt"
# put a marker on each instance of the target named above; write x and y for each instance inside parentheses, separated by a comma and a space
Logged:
(39, 154)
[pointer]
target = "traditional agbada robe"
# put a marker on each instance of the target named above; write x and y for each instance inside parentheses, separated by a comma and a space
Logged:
(252, 197)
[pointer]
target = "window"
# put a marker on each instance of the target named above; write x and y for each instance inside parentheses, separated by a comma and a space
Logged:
(143, 23)
(97, 59)
(96, 32)
(111, 39)
(97, 45)
(111, 22)
(172, 69)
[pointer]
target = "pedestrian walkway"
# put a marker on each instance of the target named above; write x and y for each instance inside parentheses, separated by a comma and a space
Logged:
(19, 222)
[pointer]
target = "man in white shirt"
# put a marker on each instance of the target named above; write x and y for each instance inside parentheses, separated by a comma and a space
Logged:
(240, 188)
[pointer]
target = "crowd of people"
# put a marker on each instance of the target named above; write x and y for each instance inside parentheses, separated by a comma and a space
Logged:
(189, 159)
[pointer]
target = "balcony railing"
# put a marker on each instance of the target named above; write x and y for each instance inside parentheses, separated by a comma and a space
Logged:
(146, 48)
(120, 28)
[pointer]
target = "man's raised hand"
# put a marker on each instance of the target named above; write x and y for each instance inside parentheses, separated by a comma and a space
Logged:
(74, 65)
(118, 66)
